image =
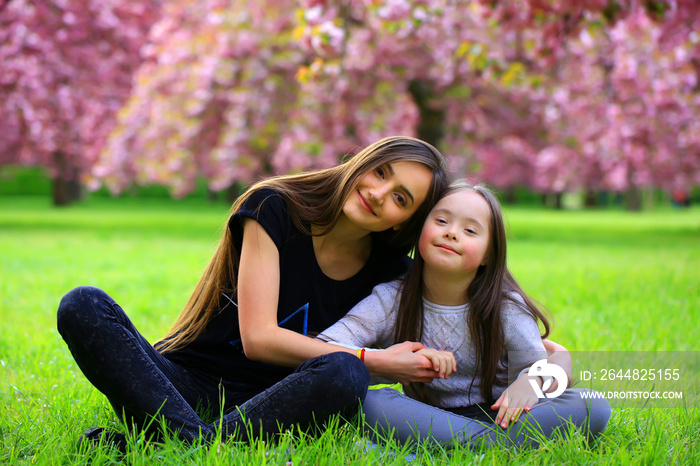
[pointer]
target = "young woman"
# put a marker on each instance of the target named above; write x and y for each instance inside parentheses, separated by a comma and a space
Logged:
(297, 254)
(460, 299)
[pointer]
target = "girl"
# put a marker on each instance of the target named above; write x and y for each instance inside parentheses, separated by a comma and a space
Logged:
(297, 253)
(460, 297)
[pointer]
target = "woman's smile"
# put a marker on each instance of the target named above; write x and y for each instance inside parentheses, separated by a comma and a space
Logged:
(365, 204)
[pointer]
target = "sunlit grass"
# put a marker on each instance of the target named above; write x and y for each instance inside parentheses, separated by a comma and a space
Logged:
(612, 280)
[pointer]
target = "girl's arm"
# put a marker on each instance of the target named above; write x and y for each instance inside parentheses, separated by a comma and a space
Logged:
(520, 397)
(560, 356)
(522, 337)
(371, 323)
(263, 340)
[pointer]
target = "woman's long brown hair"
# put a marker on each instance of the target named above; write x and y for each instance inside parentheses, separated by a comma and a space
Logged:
(313, 198)
(485, 294)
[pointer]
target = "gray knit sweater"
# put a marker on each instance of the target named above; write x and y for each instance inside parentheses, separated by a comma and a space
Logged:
(371, 324)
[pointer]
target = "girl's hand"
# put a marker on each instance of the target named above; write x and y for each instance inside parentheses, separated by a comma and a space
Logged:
(401, 363)
(517, 398)
(444, 362)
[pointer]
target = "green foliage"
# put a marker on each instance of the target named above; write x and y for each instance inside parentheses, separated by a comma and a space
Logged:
(612, 281)
(17, 180)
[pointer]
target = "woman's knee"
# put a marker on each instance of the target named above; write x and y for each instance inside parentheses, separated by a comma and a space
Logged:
(78, 307)
(343, 375)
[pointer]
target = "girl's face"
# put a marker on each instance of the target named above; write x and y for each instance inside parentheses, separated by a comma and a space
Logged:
(455, 236)
(389, 195)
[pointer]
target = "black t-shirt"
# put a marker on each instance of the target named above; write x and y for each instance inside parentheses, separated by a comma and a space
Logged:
(309, 301)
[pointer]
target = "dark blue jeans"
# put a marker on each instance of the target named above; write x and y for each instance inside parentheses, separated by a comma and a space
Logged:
(141, 384)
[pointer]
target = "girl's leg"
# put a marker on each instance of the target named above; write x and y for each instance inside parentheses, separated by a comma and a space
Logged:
(320, 387)
(553, 416)
(392, 413)
(116, 359)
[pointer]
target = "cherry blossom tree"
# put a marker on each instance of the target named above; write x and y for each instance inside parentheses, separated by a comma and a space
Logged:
(552, 95)
(622, 108)
(65, 70)
(533, 93)
(235, 90)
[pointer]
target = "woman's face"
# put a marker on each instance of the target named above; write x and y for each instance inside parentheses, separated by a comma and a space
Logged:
(389, 195)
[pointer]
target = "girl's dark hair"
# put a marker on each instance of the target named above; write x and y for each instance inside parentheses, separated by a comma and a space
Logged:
(313, 198)
(492, 285)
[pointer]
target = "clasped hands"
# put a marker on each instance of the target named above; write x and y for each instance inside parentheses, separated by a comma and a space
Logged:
(425, 364)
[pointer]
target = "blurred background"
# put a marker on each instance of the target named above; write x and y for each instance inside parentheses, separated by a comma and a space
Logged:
(580, 113)
(567, 103)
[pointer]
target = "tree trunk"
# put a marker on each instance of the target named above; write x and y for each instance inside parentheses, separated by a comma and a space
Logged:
(66, 181)
(648, 199)
(233, 191)
(431, 126)
(558, 200)
(634, 199)
(591, 200)
(510, 196)
(553, 200)
(212, 195)
(60, 191)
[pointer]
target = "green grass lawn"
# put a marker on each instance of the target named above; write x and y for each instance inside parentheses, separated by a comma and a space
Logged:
(613, 281)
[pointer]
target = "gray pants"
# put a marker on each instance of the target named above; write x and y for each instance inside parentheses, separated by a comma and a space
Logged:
(390, 413)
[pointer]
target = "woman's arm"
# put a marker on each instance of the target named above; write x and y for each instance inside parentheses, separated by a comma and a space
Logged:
(263, 340)
(371, 323)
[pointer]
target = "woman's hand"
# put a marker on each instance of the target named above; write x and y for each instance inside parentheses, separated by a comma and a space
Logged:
(517, 398)
(402, 363)
(444, 362)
